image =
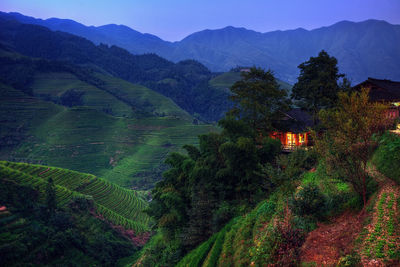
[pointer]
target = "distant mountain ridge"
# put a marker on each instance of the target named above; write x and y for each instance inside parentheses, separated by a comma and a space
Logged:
(364, 49)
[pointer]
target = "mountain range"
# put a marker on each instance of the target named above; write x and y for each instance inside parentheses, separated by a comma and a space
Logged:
(364, 49)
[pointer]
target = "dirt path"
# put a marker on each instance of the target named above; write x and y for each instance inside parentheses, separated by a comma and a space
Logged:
(326, 244)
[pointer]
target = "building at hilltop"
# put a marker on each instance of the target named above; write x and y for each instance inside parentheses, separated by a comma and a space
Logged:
(384, 91)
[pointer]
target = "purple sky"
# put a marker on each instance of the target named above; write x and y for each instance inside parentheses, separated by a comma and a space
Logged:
(172, 20)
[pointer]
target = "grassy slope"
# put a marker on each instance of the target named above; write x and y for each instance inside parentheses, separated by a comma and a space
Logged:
(118, 205)
(141, 97)
(123, 98)
(225, 80)
(86, 139)
(55, 84)
(387, 156)
(246, 239)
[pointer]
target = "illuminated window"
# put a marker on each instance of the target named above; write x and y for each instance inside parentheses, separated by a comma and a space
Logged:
(290, 138)
(301, 138)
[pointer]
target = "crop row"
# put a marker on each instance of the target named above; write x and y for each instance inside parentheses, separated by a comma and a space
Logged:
(382, 242)
(63, 195)
(118, 199)
(126, 206)
(117, 219)
(67, 178)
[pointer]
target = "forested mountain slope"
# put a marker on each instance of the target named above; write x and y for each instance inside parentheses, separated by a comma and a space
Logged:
(185, 82)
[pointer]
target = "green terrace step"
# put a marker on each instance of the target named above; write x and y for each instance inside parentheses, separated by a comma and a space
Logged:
(116, 204)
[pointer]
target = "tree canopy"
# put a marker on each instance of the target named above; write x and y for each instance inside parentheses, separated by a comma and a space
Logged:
(347, 143)
(258, 99)
(203, 189)
(318, 84)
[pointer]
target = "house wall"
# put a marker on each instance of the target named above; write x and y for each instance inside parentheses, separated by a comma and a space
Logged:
(291, 140)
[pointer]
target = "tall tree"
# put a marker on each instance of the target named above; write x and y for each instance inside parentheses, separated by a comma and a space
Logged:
(258, 99)
(318, 84)
(347, 144)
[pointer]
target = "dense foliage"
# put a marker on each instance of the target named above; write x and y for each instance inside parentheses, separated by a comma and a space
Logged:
(206, 188)
(258, 99)
(222, 178)
(36, 233)
(317, 85)
(387, 156)
(347, 143)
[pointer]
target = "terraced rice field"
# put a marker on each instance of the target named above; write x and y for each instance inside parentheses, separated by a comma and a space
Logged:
(116, 204)
(126, 151)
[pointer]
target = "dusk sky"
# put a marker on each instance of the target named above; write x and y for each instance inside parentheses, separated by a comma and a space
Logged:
(173, 20)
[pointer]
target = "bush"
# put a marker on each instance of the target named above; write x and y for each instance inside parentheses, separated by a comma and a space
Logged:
(279, 246)
(305, 224)
(308, 200)
(297, 162)
(387, 156)
(222, 215)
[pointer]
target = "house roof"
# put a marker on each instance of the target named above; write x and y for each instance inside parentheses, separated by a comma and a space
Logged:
(297, 120)
(381, 90)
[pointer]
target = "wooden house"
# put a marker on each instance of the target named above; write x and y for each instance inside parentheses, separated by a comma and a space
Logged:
(294, 130)
(384, 91)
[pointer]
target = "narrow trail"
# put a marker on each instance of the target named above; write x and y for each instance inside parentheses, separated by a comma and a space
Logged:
(325, 245)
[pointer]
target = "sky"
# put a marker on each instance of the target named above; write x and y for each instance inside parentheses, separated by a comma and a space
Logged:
(172, 20)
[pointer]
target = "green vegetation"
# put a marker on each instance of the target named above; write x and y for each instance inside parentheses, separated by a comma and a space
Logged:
(317, 85)
(125, 141)
(225, 81)
(387, 156)
(228, 198)
(347, 143)
(65, 234)
(117, 205)
(185, 82)
(225, 176)
(380, 240)
(258, 100)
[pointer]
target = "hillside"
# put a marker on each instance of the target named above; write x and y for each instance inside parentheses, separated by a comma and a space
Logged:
(117, 205)
(115, 129)
(225, 80)
(90, 221)
(363, 49)
(269, 234)
(185, 82)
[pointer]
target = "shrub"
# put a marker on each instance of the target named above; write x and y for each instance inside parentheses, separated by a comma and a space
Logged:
(387, 156)
(279, 246)
(308, 200)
